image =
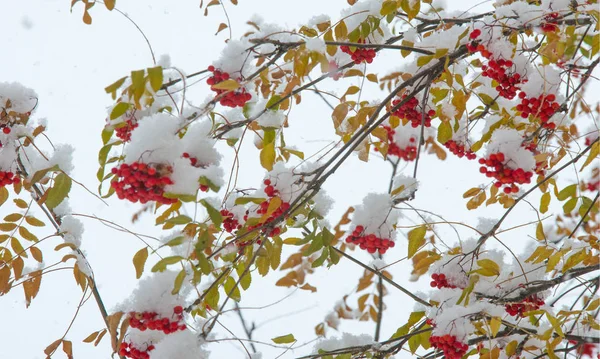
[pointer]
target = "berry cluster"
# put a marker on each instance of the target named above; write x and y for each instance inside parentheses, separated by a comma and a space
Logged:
(127, 350)
(408, 154)
(549, 23)
(504, 175)
(438, 280)
(7, 178)
(584, 349)
(452, 348)
(528, 304)
(124, 132)
(264, 208)
(500, 70)
(5, 129)
(149, 320)
(360, 54)
(230, 224)
(229, 98)
(542, 107)
(141, 182)
(411, 112)
(369, 242)
(459, 150)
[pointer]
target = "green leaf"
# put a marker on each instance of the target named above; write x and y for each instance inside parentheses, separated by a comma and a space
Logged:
(273, 100)
(416, 238)
(569, 206)
(60, 190)
(230, 287)
(178, 282)
(155, 74)
(181, 219)
(119, 110)
(284, 339)
(388, 7)
(213, 213)
(38, 175)
(245, 200)
(162, 264)
(444, 132)
(569, 191)
(319, 261)
(315, 245)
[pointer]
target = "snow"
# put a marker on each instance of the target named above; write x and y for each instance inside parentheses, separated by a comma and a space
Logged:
(316, 44)
(153, 294)
(410, 185)
(22, 99)
(376, 215)
(181, 345)
(155, 140)
(543, 80)
(508, 141)
(347, 340)
(72, 229)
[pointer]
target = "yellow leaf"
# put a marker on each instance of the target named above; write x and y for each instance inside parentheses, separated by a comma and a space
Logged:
(139, 260)
(495, 324)
(539, 232)
(341, 31)
(87, 19)
(228, 85)
(90, 338)
(52, 347)
(267, 156)
(489, 265)
(424, 60)
(110, 4)
(511, 348)
(416, 238)
(592, 155)
(155, 75)
(544, 202)
(222, 26)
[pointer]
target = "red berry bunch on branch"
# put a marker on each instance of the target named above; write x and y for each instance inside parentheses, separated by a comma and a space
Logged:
(504, 175)
(230, 223)
(439, 280)
(128, 350)
(360, 54)
(141, 182)
(150, 321)
(7, 178)
(528, 304)
(124, 132)
(500, 70)
(236, 98)
(369, 242)
(542, 107)
(459, 150)
(452, 348)
(412, 112)
(550, 22)
(408, 154)
(263, 209)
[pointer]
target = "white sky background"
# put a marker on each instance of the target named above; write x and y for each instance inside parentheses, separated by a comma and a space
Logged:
(69, 63)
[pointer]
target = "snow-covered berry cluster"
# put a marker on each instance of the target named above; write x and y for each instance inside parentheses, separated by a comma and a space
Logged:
(528, 304)
(452, 348)
(500, 70)
(151, 321)
(439, 280)
(542, 107)
(550, 22)
(409, 153)
(124, 132)
(128, 350)
(263, 209)
(411, 111)
(140, 182)
(495, 166)
(7, 178)
(360, 54)
(236, 98)
(459, 150)
(369, 242)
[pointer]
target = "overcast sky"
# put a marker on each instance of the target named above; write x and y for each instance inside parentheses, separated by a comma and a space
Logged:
(68, 64)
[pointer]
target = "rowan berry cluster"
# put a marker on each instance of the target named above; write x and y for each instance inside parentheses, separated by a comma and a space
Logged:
(452, 348)
(542, 107)
(549, 24)
(236, 98)
(264, 209)
(360, 54)
(7, 178)
(408, 154)
(230, 223)
(142, 182)
(500, 70)
(439, 280)
(127, 350)
(150, 321)
(504, 175)
(528, 304)
(410, 111)
(124, 132)
(459, 150)
(584, 349)
(369, 242)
